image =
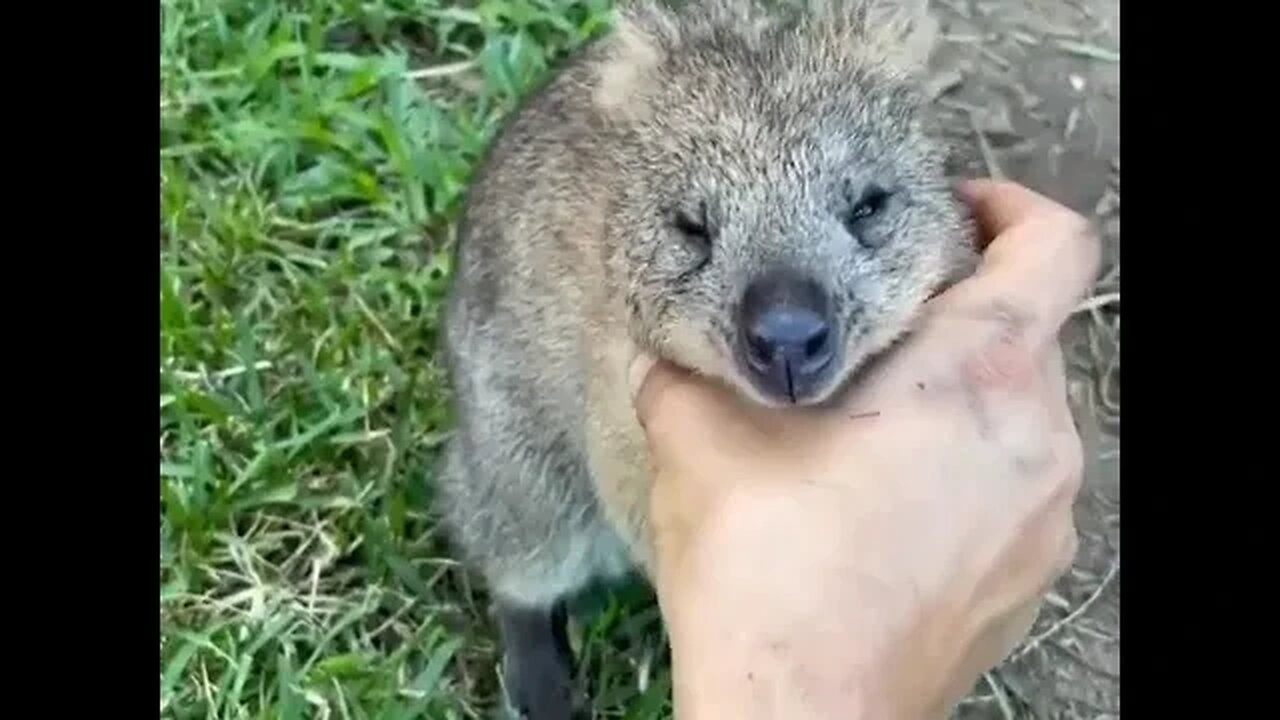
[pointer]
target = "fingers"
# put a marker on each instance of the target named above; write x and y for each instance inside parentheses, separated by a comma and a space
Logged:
(1000, 205)
(1042, 259)
(674, 406)
(1055, 378)
(638, 379)
(665, 395)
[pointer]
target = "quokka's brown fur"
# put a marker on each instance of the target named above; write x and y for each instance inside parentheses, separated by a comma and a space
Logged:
(690, 163)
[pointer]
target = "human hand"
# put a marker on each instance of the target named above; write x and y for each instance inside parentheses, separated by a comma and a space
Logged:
(889, 549)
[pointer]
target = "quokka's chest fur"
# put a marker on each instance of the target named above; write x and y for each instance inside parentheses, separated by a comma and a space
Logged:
(617, 453)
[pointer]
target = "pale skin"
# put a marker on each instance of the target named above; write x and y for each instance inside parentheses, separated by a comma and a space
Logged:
(872, 559)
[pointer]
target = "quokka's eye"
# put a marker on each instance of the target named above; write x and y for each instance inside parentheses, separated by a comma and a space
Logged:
(693, 224)
(870, 203)
(857, 219)
(695, 229)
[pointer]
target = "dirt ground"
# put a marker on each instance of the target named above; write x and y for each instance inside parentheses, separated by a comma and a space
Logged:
(1030, 90)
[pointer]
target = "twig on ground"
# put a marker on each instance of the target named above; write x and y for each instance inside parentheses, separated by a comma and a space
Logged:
(956, 8)
(995, 57)
(1002, 699)
(1096, 302)
(988, 156)
(1057, 627)
(1089, 51)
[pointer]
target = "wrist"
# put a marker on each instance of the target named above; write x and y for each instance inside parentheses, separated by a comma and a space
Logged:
(754, 631)
(754, 672)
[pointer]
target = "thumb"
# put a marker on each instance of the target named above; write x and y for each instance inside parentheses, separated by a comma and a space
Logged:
(998, 205)
(675, 407)
(1040, 258)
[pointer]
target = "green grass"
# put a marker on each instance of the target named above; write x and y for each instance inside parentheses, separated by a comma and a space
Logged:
(310, 181)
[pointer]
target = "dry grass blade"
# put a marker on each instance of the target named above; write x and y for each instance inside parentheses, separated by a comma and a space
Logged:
(1090, 51)
(988, 155)
(444, 70)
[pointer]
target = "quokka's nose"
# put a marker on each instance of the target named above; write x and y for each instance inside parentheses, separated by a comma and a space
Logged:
(787, 334)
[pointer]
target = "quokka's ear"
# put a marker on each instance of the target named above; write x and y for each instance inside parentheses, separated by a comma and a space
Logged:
(644, 32)
(902, 33)
(908, 30)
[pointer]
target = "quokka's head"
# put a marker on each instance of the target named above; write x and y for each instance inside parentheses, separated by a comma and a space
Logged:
(781, 211)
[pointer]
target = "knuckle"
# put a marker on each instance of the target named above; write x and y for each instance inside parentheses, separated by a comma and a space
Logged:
(1071, 455)
(1072, 483)
(1004, 362)
(1070, 548)
(1064, 218)
(1075, 478)
(1065, 484)
(1082, 236)
(1073, 465)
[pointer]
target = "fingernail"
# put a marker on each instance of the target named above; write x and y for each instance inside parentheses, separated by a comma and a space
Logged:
(641, 364)
(966, 188)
